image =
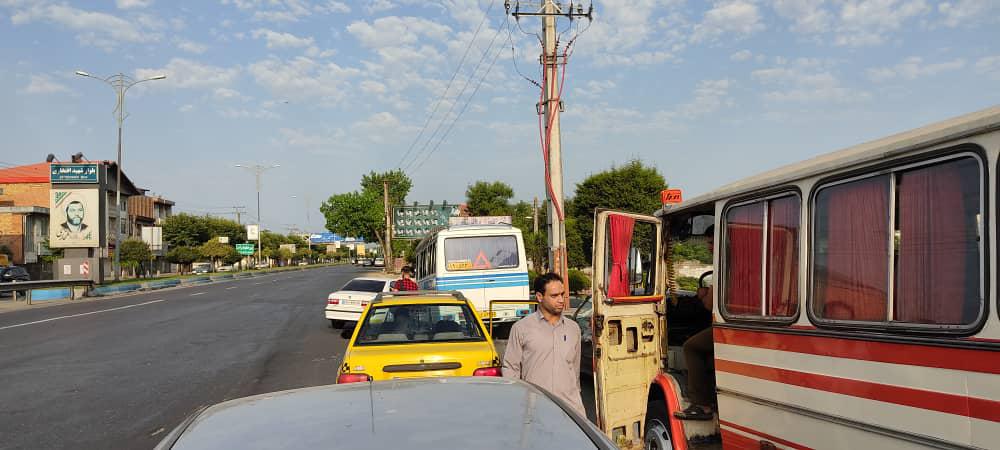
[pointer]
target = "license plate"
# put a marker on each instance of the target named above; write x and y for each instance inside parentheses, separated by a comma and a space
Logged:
(489, 314)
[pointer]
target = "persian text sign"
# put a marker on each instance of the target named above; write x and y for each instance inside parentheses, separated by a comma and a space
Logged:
(415, 222)
(73, 173)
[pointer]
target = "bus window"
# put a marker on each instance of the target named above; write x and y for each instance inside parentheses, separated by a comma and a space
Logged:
(761, 262)
(480, 253)
(927, 219)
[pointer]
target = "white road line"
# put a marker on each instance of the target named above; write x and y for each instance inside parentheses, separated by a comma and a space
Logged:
(257, 284)
(231, 287)
(197, 293)
(81, 314)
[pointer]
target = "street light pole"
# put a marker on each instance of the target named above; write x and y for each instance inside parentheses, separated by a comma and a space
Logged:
(258, 170)
(121, 84)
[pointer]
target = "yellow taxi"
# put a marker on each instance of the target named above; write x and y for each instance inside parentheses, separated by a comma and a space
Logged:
(418, 334)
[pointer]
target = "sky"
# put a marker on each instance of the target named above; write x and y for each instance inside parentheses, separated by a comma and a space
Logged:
(707, 92)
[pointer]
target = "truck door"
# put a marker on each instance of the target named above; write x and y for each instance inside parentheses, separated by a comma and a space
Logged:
(628, 290)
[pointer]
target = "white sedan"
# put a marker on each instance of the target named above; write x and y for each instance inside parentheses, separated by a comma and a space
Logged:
(347, 304)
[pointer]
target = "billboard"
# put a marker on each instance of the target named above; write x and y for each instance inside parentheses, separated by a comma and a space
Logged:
(74, 218)
(415, 222)
(153, 236)
(325, 238)
(289, 247)
(73, 173)
(480, 220)
(359, 250)
(253, 232)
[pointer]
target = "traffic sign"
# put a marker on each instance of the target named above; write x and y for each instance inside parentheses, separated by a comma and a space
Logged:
(244, 249)
(415, 222)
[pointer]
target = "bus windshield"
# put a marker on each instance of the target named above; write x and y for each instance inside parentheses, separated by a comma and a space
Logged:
(480, 253)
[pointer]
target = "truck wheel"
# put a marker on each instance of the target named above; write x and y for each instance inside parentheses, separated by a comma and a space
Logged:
(657, 433)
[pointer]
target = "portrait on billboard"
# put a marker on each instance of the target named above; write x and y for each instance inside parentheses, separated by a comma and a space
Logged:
(74, 218)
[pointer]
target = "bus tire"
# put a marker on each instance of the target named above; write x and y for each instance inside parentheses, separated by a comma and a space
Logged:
(656, 435)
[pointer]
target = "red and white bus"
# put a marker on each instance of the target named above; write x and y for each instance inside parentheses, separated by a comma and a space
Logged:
(854, 302)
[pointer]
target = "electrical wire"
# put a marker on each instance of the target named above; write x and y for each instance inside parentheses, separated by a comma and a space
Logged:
(444, 94)
(468, 101)
(513, 56)
(451, 109)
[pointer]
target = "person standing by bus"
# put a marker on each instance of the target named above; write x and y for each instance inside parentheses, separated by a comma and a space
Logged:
(544, 347)
(405, 283)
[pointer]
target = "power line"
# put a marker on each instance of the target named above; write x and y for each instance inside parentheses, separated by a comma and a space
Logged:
(464, 107)
(444, 94)
(489, 49)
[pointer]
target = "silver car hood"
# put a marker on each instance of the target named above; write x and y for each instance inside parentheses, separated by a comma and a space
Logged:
(429, 413)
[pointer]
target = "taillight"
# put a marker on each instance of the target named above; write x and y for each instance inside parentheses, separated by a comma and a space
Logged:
(353, 378)
(364, 303)
(487, 372)
(333, 301)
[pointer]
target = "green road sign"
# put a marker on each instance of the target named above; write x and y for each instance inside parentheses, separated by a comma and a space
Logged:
(245, 249)
(415, 222)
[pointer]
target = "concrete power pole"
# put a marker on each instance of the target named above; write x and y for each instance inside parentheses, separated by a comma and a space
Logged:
(534, 214)
(550, 107)
(387, 253)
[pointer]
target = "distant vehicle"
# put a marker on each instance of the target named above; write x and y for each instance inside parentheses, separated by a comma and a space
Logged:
(418, 334)
(226, 268)
(368, 262)
(263, 265)
(483, 262)
(347, 304)
(420, 414)
(14, 274)
(378, 262)
(303, 263)
(201, 267)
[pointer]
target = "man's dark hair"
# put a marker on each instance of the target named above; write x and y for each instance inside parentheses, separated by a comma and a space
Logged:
(407, 270)
(543, 280)
(72, 202)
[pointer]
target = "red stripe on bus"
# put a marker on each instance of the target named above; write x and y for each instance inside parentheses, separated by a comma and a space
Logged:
(765, 436)
(984, 361)
(958, 405)
(736, 441)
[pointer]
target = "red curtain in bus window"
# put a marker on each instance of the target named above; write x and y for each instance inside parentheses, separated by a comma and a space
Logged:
(937, 242)
(620, 236)
(783, 257)
(852, 250)
(744, 247)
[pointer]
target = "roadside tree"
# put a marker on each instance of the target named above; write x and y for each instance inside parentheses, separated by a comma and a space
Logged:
(485, 198)
(133, 254)
(183, 256)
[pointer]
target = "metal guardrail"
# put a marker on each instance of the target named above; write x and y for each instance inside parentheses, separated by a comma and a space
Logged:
(28, 286)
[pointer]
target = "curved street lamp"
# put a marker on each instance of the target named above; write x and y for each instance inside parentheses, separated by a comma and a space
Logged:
(121, 84)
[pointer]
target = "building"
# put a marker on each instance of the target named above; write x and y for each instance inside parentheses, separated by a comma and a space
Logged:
(68, 205)
(145, 214)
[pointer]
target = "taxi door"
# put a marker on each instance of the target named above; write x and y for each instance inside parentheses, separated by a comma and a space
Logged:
(628, 291)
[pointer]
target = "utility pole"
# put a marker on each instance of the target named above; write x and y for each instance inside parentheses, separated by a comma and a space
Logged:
(550, 107)
(238, 211)
(534, 214)
(258, 170)
(387, 254)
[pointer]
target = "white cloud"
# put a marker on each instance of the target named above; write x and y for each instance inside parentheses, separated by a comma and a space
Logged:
(969, 12)
(235, 113)
(805, 80)
(94, 28)
(185, 73)
(130, 4)
(191, 46)
(912, 68)
(742, 55)
(304, 78)
(709, 97)
(186, 108)
(287, 10)
(277, 39)
(595, 88)
(333, 6)
(989, 65)
(866, 22)
(223, 94)
(808, 16)
(43, 84)
(395, 31)
(372, 87)
(736, 18)
(642, 58)
(377, 6)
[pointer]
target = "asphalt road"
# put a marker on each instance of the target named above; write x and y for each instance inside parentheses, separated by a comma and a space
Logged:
(120, 373)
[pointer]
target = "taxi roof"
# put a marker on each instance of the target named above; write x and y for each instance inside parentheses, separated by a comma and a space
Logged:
(420, 297)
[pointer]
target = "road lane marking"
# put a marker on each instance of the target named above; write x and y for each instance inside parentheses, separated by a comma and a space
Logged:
(197, 293)
(258, 283)
(79, 315)
(231, 287)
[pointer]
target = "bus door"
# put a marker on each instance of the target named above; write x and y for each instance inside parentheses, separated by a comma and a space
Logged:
(628, 292)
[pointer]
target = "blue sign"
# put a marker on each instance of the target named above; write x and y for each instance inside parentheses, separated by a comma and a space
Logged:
(325, 238)
(73, 173)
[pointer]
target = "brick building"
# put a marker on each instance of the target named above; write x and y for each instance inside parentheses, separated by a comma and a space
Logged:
(24, 215)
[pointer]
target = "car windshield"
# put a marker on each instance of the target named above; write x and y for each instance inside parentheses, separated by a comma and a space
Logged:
(395, 324)
(361, 285)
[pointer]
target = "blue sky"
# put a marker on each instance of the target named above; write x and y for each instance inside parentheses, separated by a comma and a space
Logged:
(708, 92)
